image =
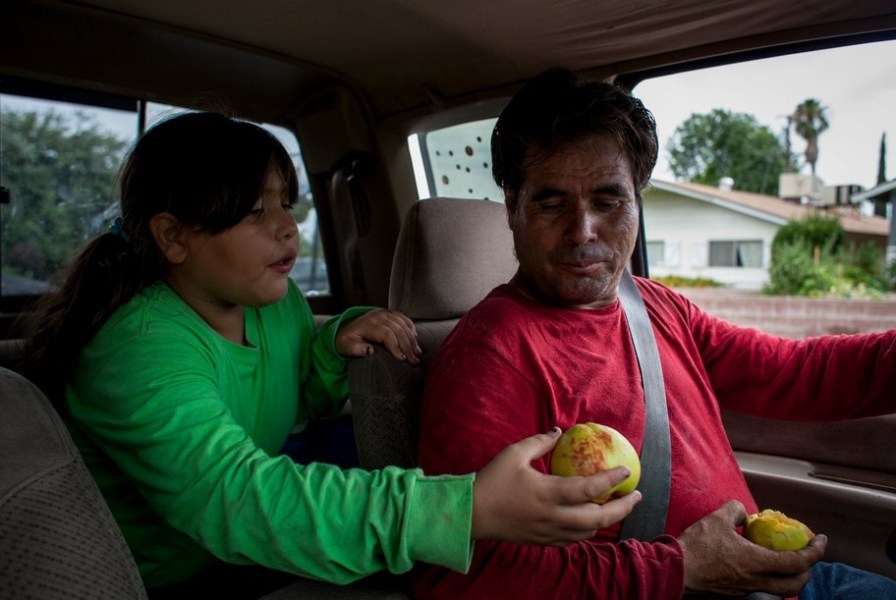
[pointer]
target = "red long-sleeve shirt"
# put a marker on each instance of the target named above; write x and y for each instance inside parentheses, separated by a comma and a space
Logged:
(513, 368)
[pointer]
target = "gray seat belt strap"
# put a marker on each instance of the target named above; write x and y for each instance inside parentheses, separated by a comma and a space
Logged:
(648, 519)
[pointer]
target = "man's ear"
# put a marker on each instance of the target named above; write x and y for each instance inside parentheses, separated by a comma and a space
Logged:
(170, 237)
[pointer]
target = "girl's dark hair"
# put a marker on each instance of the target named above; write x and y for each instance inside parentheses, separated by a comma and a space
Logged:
(559, 107)
(207, 170)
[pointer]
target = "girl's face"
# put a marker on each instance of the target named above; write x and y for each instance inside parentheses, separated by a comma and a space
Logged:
(246, 265)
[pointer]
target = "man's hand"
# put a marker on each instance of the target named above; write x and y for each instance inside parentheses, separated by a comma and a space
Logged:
(718, 559)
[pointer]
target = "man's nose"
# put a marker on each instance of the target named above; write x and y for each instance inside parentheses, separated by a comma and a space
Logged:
(582, 226)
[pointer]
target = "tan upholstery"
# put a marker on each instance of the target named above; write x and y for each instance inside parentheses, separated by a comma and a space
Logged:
(57, 536)
(450, 254)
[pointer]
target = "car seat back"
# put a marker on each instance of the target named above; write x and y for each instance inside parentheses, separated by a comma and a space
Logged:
(58, 538)
(450, 254)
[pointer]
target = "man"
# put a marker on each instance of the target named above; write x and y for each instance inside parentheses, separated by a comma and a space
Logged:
(552, 347)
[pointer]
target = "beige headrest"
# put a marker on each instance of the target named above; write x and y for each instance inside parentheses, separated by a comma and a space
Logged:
(450, 254)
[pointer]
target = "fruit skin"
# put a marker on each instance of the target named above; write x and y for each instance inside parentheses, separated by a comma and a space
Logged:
(776, 531)
(588, 448)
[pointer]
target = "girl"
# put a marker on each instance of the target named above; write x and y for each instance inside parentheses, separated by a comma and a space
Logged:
(182, 355)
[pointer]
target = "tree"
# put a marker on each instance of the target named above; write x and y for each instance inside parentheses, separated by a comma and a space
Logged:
(809, 121)
(707, 147)
(882, 160)
(61, 174)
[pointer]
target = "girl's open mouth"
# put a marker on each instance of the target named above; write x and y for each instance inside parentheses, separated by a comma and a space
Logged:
(284, 265)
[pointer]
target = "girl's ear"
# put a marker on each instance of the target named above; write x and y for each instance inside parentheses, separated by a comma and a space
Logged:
(169, 236)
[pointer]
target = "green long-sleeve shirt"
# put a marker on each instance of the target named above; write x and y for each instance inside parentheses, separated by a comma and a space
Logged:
(181, 429)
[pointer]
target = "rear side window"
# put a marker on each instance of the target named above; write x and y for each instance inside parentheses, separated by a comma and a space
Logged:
(456, 162)
(59, 166)
(59, 163)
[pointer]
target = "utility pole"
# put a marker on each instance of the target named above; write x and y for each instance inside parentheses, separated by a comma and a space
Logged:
(882, 160)
(788, 166)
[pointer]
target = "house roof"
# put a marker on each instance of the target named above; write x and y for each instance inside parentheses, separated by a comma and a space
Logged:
(774, 209)
(877, 190)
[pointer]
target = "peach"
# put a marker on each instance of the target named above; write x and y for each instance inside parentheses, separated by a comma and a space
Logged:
(589, 448)
(776, 531)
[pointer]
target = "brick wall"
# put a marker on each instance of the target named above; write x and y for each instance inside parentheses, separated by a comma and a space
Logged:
(796, 317)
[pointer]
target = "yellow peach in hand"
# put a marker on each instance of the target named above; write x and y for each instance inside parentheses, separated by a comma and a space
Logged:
(776, 531)
(589, 448)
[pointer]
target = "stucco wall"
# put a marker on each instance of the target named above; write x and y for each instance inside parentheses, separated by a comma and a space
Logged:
(795, 316)
(686, 226)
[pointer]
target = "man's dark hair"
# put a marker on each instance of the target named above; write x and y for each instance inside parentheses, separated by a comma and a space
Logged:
(559, 107)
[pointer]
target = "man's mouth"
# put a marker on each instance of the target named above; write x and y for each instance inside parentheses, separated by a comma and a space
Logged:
(581, 267)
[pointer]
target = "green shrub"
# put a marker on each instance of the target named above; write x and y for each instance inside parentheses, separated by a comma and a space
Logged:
(674, 281)
(794, 272)
(810, 258)
(890, 275)
(815, 230)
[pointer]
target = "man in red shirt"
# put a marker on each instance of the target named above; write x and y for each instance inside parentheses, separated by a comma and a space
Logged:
(552, 347)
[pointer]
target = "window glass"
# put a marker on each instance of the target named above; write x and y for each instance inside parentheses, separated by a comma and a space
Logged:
(456, 162)
(783, 192)
(310, 268)
(735, 253)
(656, 251)
(60, 164)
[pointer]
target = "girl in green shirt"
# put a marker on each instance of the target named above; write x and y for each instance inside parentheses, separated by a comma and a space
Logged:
(182, 355)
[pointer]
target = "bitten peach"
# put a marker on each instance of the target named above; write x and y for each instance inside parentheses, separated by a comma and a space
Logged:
(776, 531)
(588, 448)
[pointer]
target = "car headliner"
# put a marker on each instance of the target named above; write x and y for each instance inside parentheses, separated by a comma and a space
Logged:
(402, 55)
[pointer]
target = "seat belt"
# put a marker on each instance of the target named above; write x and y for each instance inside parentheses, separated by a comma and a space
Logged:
(648, 519)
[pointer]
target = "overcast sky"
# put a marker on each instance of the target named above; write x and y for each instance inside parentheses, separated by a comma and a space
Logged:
(856, 84)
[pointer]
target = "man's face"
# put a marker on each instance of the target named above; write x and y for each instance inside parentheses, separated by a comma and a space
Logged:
(574, 222)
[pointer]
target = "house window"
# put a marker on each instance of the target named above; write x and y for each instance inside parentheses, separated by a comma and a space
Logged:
(656, 251)
(736, 253)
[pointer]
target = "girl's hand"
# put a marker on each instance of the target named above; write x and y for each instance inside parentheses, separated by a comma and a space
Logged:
(513, 502)
(390, 328)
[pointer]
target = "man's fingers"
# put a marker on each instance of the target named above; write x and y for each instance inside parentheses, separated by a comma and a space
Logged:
(733, 512)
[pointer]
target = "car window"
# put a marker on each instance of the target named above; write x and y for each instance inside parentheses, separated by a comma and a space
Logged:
(745, 178)
(59, 169)
(455, 162)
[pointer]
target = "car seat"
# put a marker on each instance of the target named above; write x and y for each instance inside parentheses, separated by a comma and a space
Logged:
(58, 538)
(450, 254)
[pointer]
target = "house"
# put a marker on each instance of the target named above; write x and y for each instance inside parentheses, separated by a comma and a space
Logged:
(696, 230)
(882, 198)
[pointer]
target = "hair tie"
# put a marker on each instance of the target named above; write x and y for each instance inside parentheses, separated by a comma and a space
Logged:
(116, 229)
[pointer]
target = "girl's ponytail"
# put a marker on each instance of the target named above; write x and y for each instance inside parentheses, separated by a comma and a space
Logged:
(104, 275)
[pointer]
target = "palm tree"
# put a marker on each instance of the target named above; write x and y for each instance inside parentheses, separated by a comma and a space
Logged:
(809, 120)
